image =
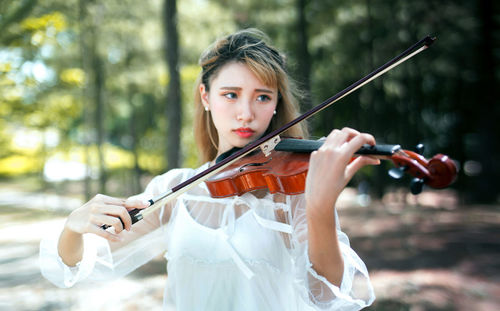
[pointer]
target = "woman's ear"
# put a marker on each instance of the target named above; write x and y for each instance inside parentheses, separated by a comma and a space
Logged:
(204, 95)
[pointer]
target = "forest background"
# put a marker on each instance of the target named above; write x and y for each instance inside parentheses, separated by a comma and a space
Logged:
(96, 96)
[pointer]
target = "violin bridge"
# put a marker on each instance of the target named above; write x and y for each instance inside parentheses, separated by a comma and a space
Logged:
(269, 145)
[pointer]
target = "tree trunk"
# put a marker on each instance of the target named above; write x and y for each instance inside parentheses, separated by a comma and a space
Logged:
(99, 115)
(97, 78)
(486, 189)
(174, 104)
(85, 63)
(303, 55)
(133, 126)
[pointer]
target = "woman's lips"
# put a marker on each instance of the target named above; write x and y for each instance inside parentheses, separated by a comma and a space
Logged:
(244, 132)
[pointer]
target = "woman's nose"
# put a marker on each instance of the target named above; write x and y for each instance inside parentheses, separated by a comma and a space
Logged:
(245, 111)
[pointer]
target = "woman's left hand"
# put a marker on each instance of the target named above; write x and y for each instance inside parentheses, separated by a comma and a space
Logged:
(331, 168)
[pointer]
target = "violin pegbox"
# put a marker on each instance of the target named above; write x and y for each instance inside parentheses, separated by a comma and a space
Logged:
(438, 172)
(416, 184)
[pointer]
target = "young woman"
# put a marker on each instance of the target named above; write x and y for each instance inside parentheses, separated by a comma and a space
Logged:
(252, 252)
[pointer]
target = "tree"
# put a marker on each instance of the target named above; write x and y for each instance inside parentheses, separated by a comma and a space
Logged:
(95, 71)
(303, 55)
(14, 13)
(174, 103)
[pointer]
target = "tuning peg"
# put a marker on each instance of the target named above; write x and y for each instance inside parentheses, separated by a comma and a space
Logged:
(397, 172)
(416, 185)
(420, 149)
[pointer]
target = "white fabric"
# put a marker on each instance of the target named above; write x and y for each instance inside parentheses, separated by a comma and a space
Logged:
(239, 253)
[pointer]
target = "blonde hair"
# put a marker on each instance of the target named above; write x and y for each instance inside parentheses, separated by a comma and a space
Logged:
(250, 48)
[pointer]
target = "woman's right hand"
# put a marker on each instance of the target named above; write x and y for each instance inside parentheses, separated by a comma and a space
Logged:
(103, 210)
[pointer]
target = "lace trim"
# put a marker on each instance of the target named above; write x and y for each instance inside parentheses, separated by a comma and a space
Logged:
(333, 288)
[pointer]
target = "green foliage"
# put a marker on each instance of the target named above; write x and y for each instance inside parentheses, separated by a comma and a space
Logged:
(46, 86)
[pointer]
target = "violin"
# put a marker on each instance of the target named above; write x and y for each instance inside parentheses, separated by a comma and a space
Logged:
(284, 170)
(437, 172)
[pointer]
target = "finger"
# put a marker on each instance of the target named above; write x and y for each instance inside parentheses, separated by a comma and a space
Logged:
(112, 221)
(351, 133)
(133, 204)
(105, 234)
(335, 138)
(110, 200)
(359, 140)
(340, 137)
(118, 211)
(358, 163)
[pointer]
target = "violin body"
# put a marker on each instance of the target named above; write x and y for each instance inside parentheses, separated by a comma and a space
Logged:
(283, 172)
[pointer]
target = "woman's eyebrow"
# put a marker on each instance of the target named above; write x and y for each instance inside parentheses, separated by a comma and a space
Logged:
(232, 88)
(264, 91)
(236, 88)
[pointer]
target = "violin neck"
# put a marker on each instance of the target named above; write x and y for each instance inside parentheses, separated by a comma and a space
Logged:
(308, 146)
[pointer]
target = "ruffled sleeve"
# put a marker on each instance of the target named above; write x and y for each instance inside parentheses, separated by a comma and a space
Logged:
(103, 260)
(355, 291)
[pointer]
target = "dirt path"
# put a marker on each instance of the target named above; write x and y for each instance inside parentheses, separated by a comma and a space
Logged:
(429, 258)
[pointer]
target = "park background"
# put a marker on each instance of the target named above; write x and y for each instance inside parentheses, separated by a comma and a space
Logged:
(96, 97)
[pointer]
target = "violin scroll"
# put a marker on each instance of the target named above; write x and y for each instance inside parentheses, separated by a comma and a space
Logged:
(438, 172)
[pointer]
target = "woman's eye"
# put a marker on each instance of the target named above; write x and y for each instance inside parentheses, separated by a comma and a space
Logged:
(230, 95)
(263, 98)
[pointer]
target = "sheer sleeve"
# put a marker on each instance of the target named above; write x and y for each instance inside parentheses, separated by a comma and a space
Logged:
(355, 291)
(103, 260)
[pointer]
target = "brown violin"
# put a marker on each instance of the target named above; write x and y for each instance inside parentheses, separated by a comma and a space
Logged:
(284, 170)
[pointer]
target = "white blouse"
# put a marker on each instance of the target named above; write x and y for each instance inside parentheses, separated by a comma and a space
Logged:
(245, 252)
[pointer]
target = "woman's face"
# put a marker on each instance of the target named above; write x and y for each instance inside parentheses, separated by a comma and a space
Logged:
(240, 104)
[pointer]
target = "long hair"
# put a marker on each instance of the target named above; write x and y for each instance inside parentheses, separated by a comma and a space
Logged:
(250, 48)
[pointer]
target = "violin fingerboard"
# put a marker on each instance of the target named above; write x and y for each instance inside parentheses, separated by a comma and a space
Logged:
(298, 145)
(308, 146)
(383, 150)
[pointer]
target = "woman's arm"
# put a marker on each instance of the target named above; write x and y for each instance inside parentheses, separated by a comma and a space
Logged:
(82, 250)
(88, 219)
(324, 249)
(330, 169)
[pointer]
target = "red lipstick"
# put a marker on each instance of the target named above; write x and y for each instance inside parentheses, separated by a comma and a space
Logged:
(244, 132)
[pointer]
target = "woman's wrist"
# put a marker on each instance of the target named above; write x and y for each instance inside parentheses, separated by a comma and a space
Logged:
(70, 247)
(322, 214)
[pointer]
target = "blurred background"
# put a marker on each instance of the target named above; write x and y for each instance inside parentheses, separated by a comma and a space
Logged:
(96, 97)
